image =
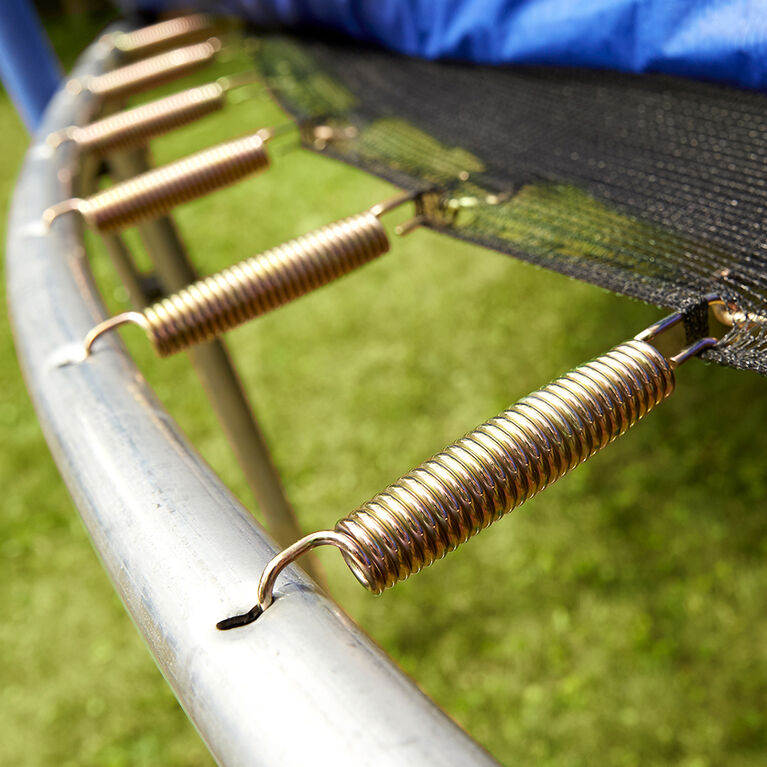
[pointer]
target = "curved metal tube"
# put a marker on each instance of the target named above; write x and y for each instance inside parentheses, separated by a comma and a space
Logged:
(303, 685)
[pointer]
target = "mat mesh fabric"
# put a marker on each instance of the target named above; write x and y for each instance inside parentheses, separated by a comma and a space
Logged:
(650, 186)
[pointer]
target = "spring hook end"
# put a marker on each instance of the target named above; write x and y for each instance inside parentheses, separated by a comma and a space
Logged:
(430, 208)
(59, 137)
(266, 134)
(231, 82)
(721, 310)
(126, 318)
(692, 350)
(75, 86)
(380, 208)
(215, 44)
(409, 225)
(240, 620)
(394, 202)
(73, 205)
(327, 132)
(277, 564)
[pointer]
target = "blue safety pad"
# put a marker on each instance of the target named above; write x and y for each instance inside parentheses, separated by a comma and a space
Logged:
(723, 40)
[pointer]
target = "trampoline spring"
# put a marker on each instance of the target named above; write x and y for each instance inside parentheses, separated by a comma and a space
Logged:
(154, 38)
(495, 468)
(151, 72)
(502, 463)
(154, 193)
(135, 127)
(223, 301)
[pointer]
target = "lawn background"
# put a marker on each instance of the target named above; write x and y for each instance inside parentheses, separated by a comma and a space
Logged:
(618, 619)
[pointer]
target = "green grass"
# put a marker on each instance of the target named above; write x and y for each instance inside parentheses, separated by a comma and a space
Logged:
(617, 619)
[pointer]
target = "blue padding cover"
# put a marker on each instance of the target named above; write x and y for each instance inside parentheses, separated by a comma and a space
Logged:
(723, 40)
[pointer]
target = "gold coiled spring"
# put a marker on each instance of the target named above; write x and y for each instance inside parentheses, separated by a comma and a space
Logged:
(263, 283)
(135, 127)
(258, 285)
(154, 193)
(152, 72)
(495, 468)
(163, 35)
(501, 464)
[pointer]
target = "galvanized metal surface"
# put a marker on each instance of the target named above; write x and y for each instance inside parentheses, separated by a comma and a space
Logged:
(302, 685)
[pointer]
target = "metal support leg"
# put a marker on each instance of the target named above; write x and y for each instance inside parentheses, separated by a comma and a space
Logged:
(119, 254)
(217, 374)
(126, 270)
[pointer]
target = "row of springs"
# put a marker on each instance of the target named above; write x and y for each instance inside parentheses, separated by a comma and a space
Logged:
(222, 301)
(456, 493)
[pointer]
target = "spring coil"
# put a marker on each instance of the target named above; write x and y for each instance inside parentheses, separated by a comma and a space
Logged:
(155, 192)
(265, 282)
(135, 127)
(501, 464)
(164, 35)
(154, 71)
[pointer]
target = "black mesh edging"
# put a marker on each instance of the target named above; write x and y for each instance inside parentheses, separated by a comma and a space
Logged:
(650, 186)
